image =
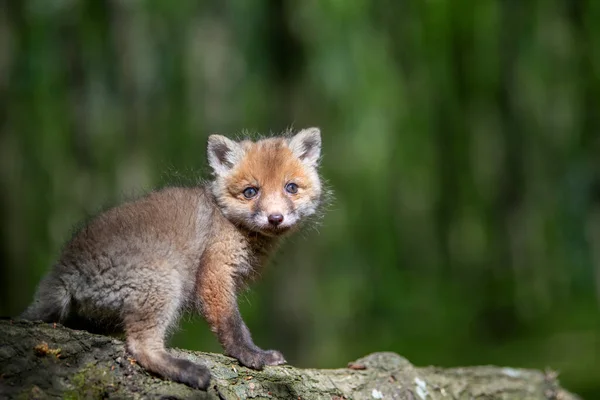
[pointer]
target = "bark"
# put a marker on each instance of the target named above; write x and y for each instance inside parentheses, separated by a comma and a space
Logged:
(39, 361)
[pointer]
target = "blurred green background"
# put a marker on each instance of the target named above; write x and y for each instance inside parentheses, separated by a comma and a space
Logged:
(461, 139)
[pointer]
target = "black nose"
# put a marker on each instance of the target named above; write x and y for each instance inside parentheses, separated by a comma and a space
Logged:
(275, 219)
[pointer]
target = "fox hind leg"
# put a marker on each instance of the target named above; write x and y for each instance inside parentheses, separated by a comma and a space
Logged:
(146, 327)
(149, 351)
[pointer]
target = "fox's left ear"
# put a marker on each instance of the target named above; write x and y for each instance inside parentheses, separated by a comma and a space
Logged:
(306, 145)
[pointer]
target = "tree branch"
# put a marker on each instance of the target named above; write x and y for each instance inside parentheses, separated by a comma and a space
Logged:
(39, 361)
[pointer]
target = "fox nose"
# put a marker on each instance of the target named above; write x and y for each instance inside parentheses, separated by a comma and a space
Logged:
(275, 219)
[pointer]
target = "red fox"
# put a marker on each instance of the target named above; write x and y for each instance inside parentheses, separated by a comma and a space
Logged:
(136, 267)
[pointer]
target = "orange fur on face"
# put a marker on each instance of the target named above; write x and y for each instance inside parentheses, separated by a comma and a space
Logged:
(268, 166)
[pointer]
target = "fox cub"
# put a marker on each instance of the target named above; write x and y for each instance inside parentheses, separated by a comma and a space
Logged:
(135, 267)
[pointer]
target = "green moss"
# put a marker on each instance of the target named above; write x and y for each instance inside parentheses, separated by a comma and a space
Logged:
(92, 382)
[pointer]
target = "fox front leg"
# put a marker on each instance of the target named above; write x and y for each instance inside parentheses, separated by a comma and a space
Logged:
(217, 293)
(237, 343)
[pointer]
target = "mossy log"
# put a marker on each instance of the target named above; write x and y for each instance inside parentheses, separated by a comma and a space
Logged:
(39, 361)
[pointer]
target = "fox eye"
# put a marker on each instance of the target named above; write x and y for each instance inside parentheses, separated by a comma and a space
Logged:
(250, 192)
(291, 188)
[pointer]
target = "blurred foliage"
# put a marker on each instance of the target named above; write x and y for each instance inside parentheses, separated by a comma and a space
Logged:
(461, 138)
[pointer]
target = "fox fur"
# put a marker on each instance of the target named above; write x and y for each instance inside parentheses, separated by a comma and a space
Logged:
(135, 267)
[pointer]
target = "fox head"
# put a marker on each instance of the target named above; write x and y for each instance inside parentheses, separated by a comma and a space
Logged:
(270, 185)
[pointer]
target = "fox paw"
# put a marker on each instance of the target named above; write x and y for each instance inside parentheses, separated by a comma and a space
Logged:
(257, 359)
(274, 357)
(191, 374)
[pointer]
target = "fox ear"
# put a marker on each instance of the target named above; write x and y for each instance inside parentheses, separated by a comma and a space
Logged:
(306, 145)
(223, 153)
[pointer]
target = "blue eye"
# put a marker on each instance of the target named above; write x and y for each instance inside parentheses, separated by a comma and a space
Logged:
(250, 192)
(291, 188)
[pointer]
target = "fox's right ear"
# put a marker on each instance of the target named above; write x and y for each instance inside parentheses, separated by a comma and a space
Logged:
(223, 153)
